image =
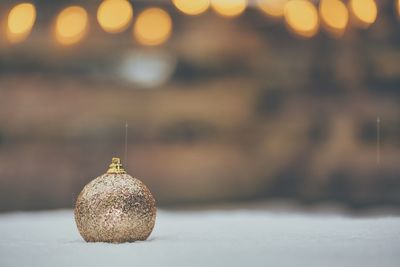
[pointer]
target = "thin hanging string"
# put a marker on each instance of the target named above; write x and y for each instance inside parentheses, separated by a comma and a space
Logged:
(126, 146)
(378, 140)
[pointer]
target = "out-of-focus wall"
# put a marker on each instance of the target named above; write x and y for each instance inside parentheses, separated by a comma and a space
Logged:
(236, 110)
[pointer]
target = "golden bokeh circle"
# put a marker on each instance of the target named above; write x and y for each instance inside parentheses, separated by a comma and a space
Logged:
(20, 21)
(192, 7)
(364, 12)
(71, 25)
(272, 8)
(153, 27)
(229, 8)
(114, 16)
(301, 17)
(334, 16)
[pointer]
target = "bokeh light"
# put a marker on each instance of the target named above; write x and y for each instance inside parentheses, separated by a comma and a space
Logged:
(192, 7)
(71, 25)
(398, 7)
(20, 21)
(147, 68)
(153, 26)
(301, 17)
(334, 16)
(114, 16)
(229, 8)
(364, 12)
(273, 8)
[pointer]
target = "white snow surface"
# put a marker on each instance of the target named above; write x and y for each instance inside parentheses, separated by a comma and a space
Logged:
(207, 238)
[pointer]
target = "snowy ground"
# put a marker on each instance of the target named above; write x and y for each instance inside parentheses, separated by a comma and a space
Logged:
(217, 238)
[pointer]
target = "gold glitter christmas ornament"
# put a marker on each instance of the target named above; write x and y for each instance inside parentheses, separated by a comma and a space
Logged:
(115, 207)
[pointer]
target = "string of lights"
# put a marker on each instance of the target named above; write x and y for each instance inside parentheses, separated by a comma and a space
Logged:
(153, 25)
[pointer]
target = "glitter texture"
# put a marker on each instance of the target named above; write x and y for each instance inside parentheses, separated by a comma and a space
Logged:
(115, 208)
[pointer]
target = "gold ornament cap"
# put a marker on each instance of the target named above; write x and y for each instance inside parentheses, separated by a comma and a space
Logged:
(116, 167)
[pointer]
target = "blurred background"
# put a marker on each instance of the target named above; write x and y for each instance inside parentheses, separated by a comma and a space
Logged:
(227, 101)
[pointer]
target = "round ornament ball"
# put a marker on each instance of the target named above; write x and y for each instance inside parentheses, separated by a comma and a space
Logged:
(115, 207)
